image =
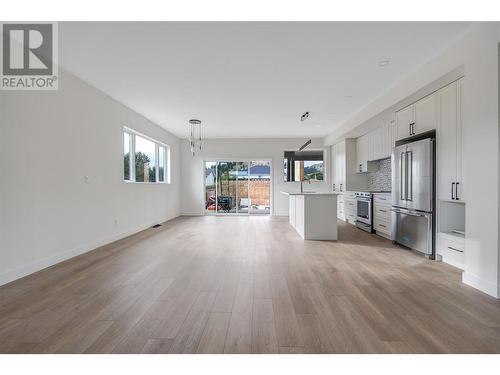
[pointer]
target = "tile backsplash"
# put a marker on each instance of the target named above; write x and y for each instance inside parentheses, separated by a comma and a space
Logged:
(381, 180)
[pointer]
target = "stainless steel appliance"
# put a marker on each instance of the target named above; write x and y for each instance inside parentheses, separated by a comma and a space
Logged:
(413, 187)
(364, 210)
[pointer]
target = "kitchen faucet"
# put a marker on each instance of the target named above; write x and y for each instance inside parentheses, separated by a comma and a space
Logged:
(302, 187)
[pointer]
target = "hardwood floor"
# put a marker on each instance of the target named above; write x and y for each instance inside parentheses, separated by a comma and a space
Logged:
(247, 285)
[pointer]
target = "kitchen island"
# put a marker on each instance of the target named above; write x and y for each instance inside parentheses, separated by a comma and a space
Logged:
(313, 215)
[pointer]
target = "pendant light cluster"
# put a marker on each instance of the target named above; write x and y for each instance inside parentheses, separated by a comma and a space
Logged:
(195, 142)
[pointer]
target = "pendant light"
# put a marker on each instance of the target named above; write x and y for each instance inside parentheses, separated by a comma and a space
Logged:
(195, 144)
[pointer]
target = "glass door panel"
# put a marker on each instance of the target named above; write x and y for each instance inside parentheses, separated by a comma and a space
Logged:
(260, 187)
(237, 187)
(210, 187)
(242, 202)
(226, 187)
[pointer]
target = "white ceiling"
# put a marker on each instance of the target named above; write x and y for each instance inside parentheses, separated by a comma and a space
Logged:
(249, 79)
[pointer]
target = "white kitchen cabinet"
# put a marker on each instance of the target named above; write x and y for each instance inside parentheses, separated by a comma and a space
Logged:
(451, 248)
(338, 163)
(350, 208)
(449, 141)
(460, 188)
(394, 135)
(375, 145)
(426, 114)
(418, 117)
(404, 119)
(340, 207)
(364, 146)
(382, 220)
(344, 173)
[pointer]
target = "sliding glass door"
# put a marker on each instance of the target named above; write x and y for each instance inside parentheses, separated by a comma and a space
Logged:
(260, 187)
(237, 187)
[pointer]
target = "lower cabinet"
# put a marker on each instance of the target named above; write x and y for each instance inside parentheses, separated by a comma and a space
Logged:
(340, 207)
(346, 207)
(382, 215)
(350, 209)
(451, 247)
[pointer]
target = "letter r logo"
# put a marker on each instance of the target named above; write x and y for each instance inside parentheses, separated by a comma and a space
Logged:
(27, 49)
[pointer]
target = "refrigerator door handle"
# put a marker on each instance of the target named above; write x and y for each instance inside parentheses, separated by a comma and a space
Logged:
(402, 177)
(409, 213)
(409, 172)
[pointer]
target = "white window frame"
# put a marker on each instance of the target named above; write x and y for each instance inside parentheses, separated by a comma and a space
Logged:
(166, 172)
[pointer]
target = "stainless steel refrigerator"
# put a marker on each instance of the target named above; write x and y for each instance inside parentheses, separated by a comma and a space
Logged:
(413, 190)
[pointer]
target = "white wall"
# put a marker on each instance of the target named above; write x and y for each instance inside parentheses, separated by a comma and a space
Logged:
(477, 53)
(193, 170)
(49, 142)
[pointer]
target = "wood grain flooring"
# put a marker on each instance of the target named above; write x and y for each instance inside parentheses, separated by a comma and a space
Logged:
(247, 285)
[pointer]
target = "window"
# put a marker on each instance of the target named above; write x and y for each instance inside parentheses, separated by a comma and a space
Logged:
(126, 156)
(303, 165)
(161, 163)
(144, 159)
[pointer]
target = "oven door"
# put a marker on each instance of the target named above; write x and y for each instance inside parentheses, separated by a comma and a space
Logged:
(364, 210)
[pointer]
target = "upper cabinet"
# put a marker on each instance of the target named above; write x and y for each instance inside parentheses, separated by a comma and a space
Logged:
(375, 145)
(364, 148)
(418, 117)
(449, 143)
(344, 159)
(405, 119)
(339, 168)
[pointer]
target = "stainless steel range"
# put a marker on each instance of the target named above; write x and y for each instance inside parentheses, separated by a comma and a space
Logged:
(364, 211)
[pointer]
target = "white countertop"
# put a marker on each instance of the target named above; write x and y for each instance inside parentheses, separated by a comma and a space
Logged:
(310, 193)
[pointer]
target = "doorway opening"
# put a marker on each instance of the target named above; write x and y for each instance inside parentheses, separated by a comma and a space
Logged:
(237, 187)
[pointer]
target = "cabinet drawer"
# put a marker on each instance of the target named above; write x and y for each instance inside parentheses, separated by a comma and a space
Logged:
(351, 218)
(452, 251)
(383, 212)
(383, 226)
(350, 206)
(348, 195)
(382, 199)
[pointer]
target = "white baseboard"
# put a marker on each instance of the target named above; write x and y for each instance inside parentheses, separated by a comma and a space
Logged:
(484, 286)
(51, 260)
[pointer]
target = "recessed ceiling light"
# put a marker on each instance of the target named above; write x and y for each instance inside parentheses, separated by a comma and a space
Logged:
(317, 126)
(383, 63)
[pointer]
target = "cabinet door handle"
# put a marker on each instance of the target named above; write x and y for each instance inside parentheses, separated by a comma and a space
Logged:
(382, 225)
(452, 190)
(412, 129)
(340, 187)
(452, 248)
(333, 187)
(456, 191)
(361, 167)
(382, 210)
